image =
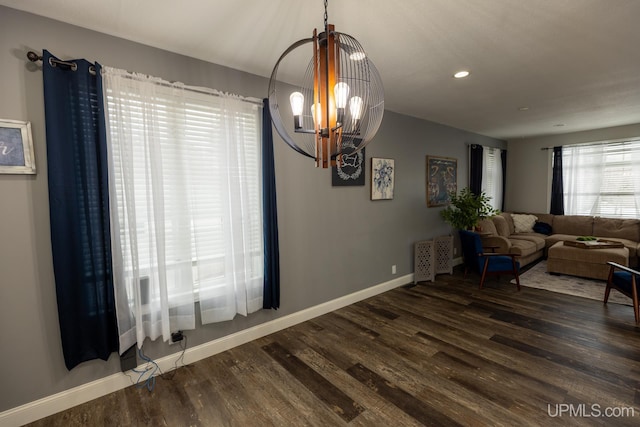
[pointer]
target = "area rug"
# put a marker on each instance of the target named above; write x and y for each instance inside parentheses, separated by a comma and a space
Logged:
(537, 277)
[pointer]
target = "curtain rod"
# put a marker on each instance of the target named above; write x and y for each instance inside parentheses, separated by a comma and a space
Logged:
(586, 144)
(202, 90)
(34, 57)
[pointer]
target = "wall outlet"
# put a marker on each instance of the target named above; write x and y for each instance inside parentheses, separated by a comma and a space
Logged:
(176, 337)
(455, 251)
(393, 269)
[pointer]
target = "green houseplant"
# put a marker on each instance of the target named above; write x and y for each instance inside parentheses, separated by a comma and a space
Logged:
(466, 209)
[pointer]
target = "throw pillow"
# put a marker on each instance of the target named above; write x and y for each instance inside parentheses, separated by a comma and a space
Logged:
(542, 228)
(524, 222)
(501, 225)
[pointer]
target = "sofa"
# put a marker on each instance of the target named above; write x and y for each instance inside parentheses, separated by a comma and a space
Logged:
(501, 234)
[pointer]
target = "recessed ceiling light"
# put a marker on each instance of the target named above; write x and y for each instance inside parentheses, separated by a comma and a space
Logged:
(461, 74)
(523, 108)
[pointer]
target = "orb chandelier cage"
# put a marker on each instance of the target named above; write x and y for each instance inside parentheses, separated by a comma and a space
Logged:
(339, 104)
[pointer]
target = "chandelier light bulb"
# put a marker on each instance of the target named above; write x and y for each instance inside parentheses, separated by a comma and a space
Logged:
(297, 103)
(341, 92)
(355, 107)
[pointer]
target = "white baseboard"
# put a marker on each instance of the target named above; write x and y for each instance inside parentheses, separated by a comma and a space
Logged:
(50, 405)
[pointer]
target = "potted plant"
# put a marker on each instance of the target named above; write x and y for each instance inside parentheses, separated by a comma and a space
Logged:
(466, 209)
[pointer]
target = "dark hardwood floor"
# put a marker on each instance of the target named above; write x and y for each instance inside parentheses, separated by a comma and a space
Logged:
(442, 353)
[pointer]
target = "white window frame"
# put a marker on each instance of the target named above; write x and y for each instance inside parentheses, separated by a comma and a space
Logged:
(602, 178)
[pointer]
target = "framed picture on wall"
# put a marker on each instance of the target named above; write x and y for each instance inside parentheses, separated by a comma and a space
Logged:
(442, 179)
(16, 148)
(382, 178)
(350, 169)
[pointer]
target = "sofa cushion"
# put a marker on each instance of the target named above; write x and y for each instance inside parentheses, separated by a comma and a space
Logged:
(629, 244)
(615, 227)
(537, 239)
(523, 223)
(487, 226)
(522, 247)
(501, 225)
(507, 217)
(578, 225)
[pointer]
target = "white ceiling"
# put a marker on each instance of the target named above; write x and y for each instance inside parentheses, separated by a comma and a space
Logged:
(571, 62)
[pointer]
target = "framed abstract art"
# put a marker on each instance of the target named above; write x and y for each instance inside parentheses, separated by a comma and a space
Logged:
(382, 178)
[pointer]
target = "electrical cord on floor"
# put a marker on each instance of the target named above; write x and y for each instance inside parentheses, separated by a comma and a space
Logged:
(169, 375)
(151, 368)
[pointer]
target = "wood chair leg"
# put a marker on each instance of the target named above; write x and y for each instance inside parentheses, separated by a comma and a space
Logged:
(484, 272)
(607, 290)
(515, 272)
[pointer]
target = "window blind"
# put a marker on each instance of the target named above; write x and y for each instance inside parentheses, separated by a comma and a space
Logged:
(492, 175)
(196, 167)
(602, 179)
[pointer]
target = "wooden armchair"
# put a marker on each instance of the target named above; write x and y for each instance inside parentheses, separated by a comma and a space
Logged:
(486, 263)
(624, 280)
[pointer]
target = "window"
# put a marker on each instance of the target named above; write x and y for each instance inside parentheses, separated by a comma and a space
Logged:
(492, 175)
(185, 194)
(602, 179)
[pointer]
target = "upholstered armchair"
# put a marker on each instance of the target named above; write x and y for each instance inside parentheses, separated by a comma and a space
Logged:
(486, 263)
(625, 280)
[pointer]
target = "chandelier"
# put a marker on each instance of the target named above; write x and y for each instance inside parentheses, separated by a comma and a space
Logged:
(339, 105)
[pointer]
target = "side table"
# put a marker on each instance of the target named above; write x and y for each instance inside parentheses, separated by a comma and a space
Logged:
(432, 257)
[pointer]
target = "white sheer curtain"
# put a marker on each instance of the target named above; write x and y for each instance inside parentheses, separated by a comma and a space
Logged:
(492, 175)
(602, 179)
(582, 176)
(635, 178)
(185, 201)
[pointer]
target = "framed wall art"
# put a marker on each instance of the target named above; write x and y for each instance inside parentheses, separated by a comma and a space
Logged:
(16, 148)
(350, 170)
(442, 179)
(382, 178)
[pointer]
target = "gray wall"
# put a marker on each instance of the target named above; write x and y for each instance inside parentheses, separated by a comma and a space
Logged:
(528, 184)
(333, 241)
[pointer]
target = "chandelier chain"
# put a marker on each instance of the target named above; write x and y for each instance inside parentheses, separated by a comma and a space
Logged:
(326, 16)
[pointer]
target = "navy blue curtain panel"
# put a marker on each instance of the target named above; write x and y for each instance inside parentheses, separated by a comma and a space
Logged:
(475, 168)
(557, 184)
(270, 215)
(79, 209)
(503, 159)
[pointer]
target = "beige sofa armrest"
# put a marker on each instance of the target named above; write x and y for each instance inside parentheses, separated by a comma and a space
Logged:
(501, 244)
